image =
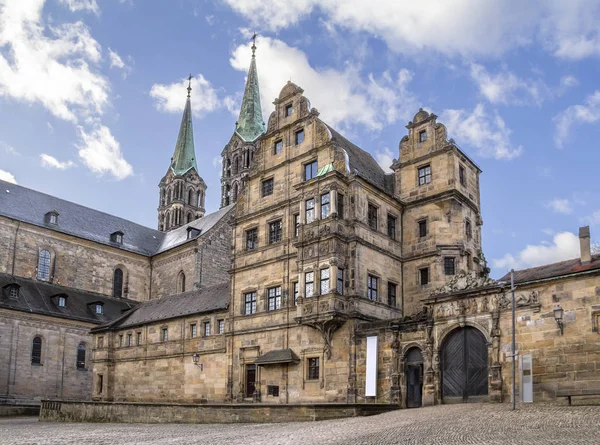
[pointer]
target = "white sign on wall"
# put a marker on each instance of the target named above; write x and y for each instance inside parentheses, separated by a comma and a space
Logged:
(371, 377)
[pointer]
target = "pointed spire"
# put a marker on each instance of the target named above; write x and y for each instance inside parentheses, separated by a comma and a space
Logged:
(184, 157)
(250, 124)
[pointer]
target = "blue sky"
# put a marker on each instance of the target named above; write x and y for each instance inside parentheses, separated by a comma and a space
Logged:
(91, 95)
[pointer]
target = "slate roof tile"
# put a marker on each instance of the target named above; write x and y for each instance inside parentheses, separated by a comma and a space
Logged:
(553, 270)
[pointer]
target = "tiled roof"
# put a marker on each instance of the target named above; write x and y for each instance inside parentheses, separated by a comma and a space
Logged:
(31, 206)
(197, 301)
(553, 270)
(36, 297)
(184, 157)
(178, 236)
(361, 162)
(277, 356)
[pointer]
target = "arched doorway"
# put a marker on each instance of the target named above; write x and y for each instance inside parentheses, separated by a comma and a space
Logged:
(414, 378)
(464, 366)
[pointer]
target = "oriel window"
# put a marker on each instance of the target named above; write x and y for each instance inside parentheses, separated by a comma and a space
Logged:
(372, 283)
(310, 170)
(324, 205)
(324, 280)
(340, 205)
(310, 210)
(309, 284)
(340, 281)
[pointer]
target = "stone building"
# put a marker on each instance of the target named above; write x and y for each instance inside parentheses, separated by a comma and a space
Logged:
(65, 268)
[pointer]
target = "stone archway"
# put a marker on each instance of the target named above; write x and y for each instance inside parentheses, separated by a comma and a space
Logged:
(464, 365)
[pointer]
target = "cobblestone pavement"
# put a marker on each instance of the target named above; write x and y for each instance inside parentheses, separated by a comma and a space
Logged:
(481, 424)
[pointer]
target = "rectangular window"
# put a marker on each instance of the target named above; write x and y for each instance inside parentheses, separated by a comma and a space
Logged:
(392, 293)
(139, 338)
(275, 231)
(278, 146)
(288, 110)
(193, 330)
(422, 136)
(296, 287)
(99, 309)
(296, 225)
(313, 368)
(100, 383)
(372, 215)
(250, 303)
(422, 229)
(207, 328)
(309, 284)
(461, 175)
(324, 205)
(340, 205)
(267, 187)
(62, 301)
(424, 175)
(274, 298)
(221, 326)
(129, 339)
(340, 281)
(424, 276)
(391, 226)
(310, 170)
(273, 390)
(299, 137)
(449, 266)
(251, 239)
(310, 210)
(324, 280)
(469, 261)
(100, 342)
(120, 340)
(164, 334)
(468, 230)
(372, 287)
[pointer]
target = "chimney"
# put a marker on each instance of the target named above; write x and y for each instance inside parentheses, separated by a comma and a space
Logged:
(584, 243)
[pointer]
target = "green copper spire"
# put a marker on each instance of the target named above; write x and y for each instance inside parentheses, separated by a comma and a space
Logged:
(250, 124)
(184, 157)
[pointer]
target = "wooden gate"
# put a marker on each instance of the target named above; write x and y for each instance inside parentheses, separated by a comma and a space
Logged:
(464, 366)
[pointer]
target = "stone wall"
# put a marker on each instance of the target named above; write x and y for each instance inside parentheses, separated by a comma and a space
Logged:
(57, 375)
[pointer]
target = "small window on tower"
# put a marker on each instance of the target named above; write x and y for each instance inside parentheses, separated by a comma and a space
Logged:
(288, 110)
(422, 136)
(278, 146)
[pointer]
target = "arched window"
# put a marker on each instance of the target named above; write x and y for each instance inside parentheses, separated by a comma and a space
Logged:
(181, 282)
(169, 197)
(81, 356)
(36, 351)
(228, 168)
(190, 200)
(118, 283)
(199, 199)
(190, 217)
(43, 272)
(162, 197)
(235, 192)
(236, 165)
(167, 220)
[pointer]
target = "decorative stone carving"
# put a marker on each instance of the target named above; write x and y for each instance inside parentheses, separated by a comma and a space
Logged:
(464, 281)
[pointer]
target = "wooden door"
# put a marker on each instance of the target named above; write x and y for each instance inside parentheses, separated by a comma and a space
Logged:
(250, 380)
(464, 366)
(414, 385)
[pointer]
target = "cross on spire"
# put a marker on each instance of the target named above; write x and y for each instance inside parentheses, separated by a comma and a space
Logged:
(189, 88)
(253, 38)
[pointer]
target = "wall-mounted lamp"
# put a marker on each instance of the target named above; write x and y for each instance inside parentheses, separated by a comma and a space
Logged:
(196, 360)
(558, 316)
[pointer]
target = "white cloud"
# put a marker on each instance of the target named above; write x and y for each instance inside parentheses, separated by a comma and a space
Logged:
(51, 162)
(53, 66)
(171, 98)
(548, 231)
(385, 159)
(343, 97)
(487, 133)
(560, 206)
(469, 27)
(589, 113)
(9, 149)
(8, 177)
(50, 127)
(117, 62)
(101, 152)
(569, 81)
(593, 219)
(81, 5)
(507, 88)
(564, 246)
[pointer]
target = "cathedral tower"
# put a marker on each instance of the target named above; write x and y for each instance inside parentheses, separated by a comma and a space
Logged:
(238, 154)
(182, 190)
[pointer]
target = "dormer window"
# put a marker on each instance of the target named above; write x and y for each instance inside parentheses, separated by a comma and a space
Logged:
(117, 237)
(62, 301)
(288, 110)
(193, 233)
(422, 136)
(51, 217)
(12, 291)
(98, 308)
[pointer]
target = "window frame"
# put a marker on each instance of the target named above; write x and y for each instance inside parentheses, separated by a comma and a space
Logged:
(391, 229)
(339, 281)
(288, 110)
(468, 230)
(462, 178)
(313, 371)
(118, 288)
(266, 187)
(62, 301)
(138, 339)
(296, 221)
(278, 146)
(251, 302)
(193, 330)
(422, 227)
(36, 350)
(275, 231)
(206, 328)
(447, 268)
(253, 240)
(325, 209)
(312, 168)
(99, 309)
(421, 134)
(274, 299)
(372, 287)
(164, 334)
(421, 271)
(310, 211)
(372, 216)
(392, 294)
(299, 134)
(44, 265)
(424, 175)
(311, 282)
(340, 205)
(296, 291)
(221, 326)
(324, 277)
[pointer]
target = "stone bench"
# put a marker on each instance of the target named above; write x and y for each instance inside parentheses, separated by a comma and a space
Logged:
(584, 393)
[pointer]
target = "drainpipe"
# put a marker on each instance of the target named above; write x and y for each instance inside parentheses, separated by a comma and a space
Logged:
(401, 256)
